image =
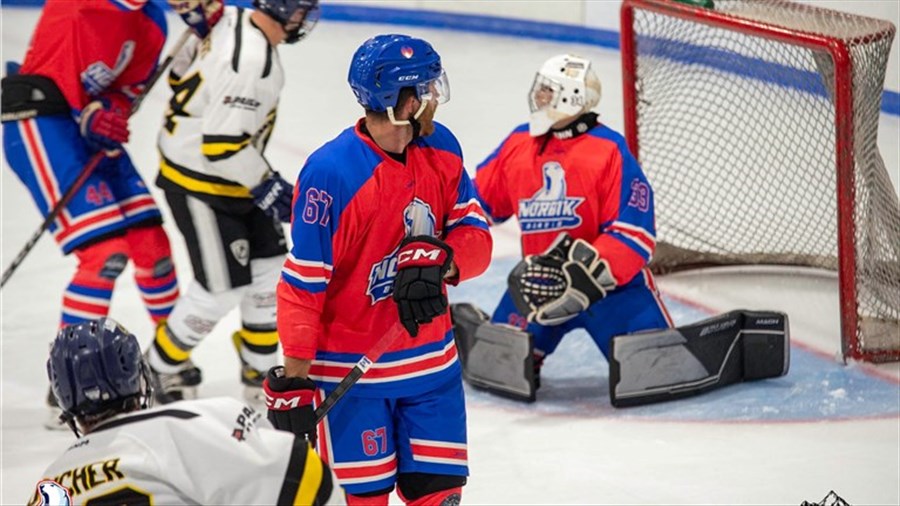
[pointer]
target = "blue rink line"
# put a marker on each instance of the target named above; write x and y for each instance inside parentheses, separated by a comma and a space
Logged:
(489, 25)
(575, 380)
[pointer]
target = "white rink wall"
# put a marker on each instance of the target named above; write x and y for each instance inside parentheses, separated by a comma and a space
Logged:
(604, 14)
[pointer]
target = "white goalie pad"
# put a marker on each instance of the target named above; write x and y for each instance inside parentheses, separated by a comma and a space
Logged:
(495, 357)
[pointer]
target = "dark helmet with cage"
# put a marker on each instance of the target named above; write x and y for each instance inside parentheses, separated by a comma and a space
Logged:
(297, 17)
(385, 64)
(200, 15)
(96, 371)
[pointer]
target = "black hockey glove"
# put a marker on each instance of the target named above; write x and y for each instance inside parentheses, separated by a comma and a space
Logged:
(274, 196)
(290, 403)
(422, 262)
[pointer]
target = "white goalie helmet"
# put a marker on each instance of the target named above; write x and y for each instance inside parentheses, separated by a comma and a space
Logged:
(565, 87)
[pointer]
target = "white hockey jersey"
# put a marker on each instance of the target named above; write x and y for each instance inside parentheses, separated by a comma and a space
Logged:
(225, 91)
(209, 451)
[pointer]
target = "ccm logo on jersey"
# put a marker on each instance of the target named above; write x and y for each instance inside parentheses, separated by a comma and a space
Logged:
(250, 104)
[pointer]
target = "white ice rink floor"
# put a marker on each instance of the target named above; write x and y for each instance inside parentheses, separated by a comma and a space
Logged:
(823, 427)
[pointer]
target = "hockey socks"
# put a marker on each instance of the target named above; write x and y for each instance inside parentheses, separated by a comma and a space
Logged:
(154, 271)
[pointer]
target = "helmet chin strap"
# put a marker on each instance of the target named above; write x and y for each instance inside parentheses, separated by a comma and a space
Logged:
(414, 122)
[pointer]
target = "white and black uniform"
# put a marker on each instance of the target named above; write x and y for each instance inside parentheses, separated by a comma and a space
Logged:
(211, 451)
(225, 94)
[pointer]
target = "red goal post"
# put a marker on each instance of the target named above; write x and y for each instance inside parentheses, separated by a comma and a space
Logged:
(757, 121)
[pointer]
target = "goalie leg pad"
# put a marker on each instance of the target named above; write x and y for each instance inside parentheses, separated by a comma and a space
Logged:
(668, 364)
(466, 319)
(766, 346)
(495, 357)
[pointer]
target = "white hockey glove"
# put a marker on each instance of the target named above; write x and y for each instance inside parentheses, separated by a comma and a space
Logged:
(553, 288)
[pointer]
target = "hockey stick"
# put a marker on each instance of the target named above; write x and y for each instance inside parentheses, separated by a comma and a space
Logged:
(394, 333)
(89, 167)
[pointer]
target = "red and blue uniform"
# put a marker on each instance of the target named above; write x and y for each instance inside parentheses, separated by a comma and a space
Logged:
(591, 187)
(353, 205)
(90, 50)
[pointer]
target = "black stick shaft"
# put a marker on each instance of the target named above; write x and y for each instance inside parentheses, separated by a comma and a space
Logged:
(359, 369)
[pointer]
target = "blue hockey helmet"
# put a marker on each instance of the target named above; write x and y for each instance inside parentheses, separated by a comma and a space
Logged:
(385, 64)
(297, 17)
(96, 367)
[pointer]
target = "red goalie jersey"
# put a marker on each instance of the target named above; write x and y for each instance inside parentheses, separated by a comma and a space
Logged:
(589, 186)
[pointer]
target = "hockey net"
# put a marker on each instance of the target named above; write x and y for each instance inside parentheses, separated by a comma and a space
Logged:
(756, 122)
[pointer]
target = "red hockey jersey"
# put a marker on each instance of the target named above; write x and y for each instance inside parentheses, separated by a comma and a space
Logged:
(353, 205)
(589, 186)
(97, 48)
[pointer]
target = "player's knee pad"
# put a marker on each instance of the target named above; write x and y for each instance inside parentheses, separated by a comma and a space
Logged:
(102, 261)
(149, 248)
(198, 311)
(421, 489)
(154, 271)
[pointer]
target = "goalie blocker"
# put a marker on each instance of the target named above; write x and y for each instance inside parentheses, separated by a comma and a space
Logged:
(669, 364)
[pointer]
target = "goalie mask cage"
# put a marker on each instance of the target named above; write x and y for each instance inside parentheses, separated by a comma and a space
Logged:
(757, 121)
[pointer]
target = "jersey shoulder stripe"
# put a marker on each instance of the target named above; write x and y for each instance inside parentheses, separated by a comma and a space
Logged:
(306, 480)
(238, 40)
(252, 54)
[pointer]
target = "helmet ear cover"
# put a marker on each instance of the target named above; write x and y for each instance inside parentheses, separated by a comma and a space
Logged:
(565, 87)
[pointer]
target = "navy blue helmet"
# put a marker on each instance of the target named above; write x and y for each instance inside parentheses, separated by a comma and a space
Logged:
(96, 367)
(298, 17)
(385, 64)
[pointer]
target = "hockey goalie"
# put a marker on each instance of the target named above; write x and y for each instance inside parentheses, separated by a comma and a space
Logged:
(585, 210)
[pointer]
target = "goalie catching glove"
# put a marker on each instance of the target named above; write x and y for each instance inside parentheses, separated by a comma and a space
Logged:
(289, 400)
(556, 286)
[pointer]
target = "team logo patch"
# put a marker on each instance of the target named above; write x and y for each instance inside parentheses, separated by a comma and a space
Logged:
(550, 209)
(53, 494)
(418, 219)
(407, 52)
(241, 251)
(98, 76)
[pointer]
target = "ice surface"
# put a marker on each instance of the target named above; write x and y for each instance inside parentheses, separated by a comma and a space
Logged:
(823, 427)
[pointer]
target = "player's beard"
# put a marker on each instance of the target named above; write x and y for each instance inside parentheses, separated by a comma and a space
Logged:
(426, 120)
